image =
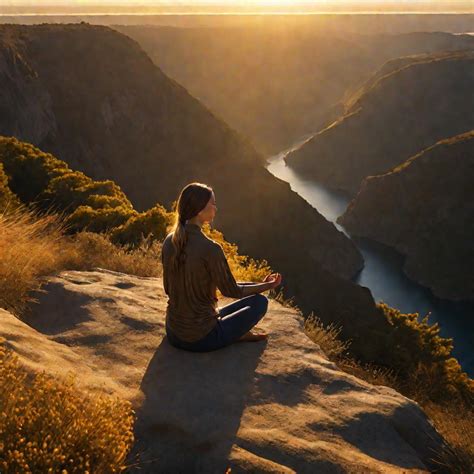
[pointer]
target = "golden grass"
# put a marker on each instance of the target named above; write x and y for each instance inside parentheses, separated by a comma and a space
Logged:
(325, 336)
(96, 250)
(48, 425)
(456, 425)
(32, 246)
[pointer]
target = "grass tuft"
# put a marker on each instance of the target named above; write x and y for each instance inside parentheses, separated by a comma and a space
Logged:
(48, 425)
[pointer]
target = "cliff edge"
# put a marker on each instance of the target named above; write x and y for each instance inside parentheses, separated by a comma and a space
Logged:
(274, 406)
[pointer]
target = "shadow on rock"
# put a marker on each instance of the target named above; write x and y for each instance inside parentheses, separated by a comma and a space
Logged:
(407, 428)
(192, 406)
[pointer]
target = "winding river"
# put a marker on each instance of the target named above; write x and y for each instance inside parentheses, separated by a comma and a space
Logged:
(382, 272)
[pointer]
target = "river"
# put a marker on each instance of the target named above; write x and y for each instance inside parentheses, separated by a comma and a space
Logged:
(382, 272)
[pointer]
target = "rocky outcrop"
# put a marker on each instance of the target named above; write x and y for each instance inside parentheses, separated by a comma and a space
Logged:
(274, 406)
(280, 79)
(409, 105)
(27, 107)
(119, 117)
(425, 209)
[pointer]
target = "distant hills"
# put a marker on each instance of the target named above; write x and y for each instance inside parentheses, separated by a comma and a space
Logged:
(276, 82)
(425, 209)
(406, 106)
(94, 99)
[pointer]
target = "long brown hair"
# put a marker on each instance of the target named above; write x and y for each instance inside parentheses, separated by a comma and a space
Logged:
(192, 199)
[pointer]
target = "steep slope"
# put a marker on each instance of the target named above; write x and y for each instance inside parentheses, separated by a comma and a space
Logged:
(278, 406)
(425, 209)
(100, 104)
(277, 82)
(410, 104)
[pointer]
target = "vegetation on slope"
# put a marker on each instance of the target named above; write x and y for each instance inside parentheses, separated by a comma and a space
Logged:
(48, 425)
(97, 206)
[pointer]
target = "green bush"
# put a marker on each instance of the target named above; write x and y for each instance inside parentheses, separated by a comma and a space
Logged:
(29, 169)
(422, 358)
(7, 198)
(97, 206)
(98, 220)
(153, 222)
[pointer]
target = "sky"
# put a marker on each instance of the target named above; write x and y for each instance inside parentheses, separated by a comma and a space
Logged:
(38, 3)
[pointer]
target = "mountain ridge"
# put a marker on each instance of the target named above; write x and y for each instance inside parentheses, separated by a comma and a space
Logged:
(426, 214)
(289, 81)
(383, 128)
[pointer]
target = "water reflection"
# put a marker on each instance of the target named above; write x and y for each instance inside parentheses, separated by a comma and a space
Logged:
(383, 273)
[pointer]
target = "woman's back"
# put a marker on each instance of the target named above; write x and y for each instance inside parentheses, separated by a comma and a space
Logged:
(192, 304)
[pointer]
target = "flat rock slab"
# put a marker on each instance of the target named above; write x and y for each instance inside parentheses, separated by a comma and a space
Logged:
(275, 406)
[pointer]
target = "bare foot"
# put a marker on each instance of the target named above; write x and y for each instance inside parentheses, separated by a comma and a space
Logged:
(252, 337)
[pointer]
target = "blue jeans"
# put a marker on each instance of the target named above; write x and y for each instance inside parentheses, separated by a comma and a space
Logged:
(234, 320)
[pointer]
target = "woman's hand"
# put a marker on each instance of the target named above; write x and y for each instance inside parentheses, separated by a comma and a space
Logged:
(274, 279)
(269, 282)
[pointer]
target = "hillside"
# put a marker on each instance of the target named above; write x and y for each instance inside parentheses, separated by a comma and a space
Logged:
(409, 105)
(425, 209)
(147, 134)
(276, 82)
(282, 406)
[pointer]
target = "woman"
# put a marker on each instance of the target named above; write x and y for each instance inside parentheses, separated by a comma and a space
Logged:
(193, 267)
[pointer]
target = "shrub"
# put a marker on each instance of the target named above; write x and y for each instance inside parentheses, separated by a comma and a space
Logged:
(49, 425)
(49, 184)
(422, 358)
(29, 169)
(7, 199)
(98, 220)
(150, 224)
(433, 376)
(72, 189)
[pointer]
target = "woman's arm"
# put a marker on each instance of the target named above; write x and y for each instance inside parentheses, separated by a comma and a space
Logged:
(271, 281)
(252, 288)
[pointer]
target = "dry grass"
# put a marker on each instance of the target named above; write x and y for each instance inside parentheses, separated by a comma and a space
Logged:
(30, 246)
(48, 425)
(325, 336)
(286, 302)
(33, 246)
(95, 250)
(456, 425)
(369, 372)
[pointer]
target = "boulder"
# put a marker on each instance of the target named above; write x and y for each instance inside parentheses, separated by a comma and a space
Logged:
(274, 406)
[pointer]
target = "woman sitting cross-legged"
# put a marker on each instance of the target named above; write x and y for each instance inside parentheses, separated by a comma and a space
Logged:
(193, 267)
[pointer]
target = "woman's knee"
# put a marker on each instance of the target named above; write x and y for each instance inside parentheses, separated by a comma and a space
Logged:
(261, 302)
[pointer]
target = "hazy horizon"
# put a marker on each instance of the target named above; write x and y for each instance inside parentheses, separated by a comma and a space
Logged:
(233, 6)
